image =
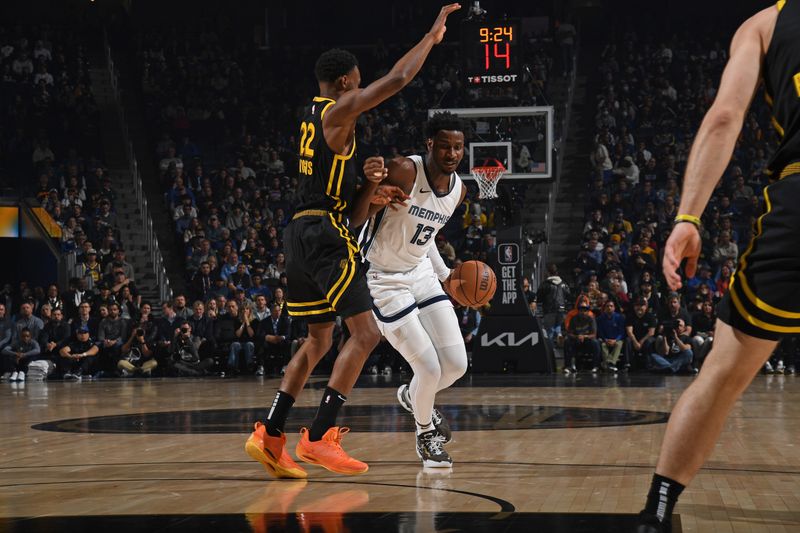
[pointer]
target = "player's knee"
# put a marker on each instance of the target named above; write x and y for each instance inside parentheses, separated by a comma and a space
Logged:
(454, 362)
(367, 337)
(458, 368)
(318, 346)
(430, 368)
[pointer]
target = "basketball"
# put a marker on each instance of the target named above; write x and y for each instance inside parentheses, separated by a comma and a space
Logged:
(473, 283)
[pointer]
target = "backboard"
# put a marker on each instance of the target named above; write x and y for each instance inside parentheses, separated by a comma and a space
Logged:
(521, 138)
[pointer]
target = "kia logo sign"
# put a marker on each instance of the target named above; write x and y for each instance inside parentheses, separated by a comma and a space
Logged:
(510, 339)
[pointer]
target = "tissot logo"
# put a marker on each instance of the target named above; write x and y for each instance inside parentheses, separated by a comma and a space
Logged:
(509, 339)
(492, 79)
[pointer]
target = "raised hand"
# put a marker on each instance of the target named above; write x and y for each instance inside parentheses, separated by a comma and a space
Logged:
(438, 29)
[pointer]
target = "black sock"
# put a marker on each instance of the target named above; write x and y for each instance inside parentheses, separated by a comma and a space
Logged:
(329, 407)
(662, 497)
(276, 419)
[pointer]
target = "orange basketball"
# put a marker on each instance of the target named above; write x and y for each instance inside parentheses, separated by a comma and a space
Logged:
(473, 283)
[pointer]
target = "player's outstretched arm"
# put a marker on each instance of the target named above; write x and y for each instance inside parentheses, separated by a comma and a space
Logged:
(713, 146)
(353, 103)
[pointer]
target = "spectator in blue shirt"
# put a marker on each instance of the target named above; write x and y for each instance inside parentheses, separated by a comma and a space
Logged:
(230, 266)
(703, 277)
(611, 334)
(258, 288)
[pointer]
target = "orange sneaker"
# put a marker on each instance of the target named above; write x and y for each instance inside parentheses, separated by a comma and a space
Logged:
(328, 452)
(271, 452)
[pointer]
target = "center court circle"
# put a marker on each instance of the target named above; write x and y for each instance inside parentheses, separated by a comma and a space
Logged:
(362, 418)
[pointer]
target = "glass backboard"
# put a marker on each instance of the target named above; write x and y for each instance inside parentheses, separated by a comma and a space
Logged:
(521, 138)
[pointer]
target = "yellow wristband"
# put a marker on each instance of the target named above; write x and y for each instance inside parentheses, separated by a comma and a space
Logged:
(688, 218)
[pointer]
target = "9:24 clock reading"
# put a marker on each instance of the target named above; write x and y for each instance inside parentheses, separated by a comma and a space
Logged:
(490, 50)
(497, 44)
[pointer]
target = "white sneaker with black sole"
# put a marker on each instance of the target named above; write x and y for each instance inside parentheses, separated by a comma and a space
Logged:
(439, 422)
(430, 448)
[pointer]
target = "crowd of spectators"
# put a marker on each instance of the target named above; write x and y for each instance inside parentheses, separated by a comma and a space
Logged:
(50, 150)
(50, 136)
(48, 117)
(651, 98)
(227, 160)
(226, 153)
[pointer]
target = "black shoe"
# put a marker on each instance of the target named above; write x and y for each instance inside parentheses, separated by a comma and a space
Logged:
(441, 425)
(430, 448)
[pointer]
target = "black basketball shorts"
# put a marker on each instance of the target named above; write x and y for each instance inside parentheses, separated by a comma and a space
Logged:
(324, 270)
(764, 296)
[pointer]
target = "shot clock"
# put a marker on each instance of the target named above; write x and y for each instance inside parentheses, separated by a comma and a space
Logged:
(490, 50)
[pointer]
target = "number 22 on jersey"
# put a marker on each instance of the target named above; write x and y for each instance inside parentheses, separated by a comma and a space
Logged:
(307, 132)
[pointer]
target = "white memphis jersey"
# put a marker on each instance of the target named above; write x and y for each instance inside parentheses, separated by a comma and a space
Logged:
(398, 240)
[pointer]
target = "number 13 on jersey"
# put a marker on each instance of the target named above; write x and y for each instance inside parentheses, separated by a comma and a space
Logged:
(427, 233)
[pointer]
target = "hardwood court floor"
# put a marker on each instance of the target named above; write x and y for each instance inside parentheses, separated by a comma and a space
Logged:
(532, 453)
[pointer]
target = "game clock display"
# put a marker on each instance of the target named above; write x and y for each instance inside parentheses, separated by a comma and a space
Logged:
(490, 51)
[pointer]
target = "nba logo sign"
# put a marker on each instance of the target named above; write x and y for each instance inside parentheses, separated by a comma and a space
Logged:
(508, 254)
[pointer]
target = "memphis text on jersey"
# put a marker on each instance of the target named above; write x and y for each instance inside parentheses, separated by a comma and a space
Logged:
(428, 214)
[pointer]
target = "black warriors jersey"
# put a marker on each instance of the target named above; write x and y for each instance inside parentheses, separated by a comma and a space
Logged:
(782, 83)
(327, 180)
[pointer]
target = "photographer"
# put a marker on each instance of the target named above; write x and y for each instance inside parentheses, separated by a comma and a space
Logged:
(668, 319)
(674, 349)
(136, 356)
(184, 358)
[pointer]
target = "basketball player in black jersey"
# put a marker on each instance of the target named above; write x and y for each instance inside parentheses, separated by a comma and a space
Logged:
(762, 303)
(321, 256)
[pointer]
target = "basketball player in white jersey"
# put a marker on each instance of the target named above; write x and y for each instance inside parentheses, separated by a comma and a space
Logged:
(411, 308)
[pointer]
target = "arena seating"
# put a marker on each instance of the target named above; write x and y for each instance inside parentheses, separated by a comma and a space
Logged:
(650, 99)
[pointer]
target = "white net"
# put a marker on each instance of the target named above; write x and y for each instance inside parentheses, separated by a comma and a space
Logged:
(487, 178)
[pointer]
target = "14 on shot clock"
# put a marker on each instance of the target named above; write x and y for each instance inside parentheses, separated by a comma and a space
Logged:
(490, 51)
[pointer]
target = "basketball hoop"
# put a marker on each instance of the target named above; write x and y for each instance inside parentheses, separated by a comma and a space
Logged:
(487, 178)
